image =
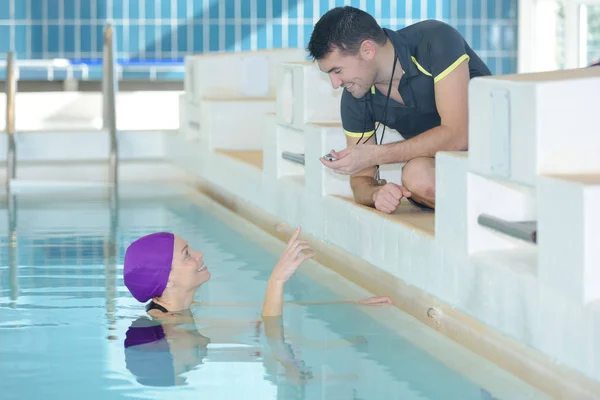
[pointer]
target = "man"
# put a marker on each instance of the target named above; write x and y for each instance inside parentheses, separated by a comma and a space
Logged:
(425, 68)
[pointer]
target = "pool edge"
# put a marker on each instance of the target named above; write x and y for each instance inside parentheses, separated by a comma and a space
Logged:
(522, 361)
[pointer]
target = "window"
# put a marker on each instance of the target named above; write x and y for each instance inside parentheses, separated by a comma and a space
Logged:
(558, 34)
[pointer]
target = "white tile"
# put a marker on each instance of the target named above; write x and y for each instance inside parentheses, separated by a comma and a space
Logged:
(518, 130)
(454, 281)
(500, 199)
(188, 78)
(182, 114)
(270, 202)
(451, 203)
(592, 340)
(235, 74)
(568, 237)
(398, 238)
(562, 147)
(253, 71)
(340, 229)
(322, 181)
(564, 329)
(291, 140)
(234, 124)
(285, 93)
(270, 149)
(370, 234)
(314, 216)
(290, 199)
(426, 260)
(305, 95)
(504, 290)
(278, 139)
(391, 256)
(189, 122)
(591, 198)
(234, 176)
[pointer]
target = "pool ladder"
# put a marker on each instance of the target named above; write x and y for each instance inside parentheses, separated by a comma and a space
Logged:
(11, 89)
(109, 91)
(109, 96)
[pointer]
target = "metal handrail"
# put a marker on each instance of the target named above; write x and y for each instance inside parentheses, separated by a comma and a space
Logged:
(109, 93)
(524, 230)
(11, 89)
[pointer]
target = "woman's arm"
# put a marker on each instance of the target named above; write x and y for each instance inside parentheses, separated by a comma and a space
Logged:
(377, 300)
(287, 265)
(273, 305)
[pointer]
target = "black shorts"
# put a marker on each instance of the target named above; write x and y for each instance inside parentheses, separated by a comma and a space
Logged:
(419, 205)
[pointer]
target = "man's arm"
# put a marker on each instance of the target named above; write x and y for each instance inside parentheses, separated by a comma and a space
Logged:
(363, 183)
(451, 97)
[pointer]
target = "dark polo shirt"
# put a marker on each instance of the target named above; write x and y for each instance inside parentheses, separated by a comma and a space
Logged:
(428, 51)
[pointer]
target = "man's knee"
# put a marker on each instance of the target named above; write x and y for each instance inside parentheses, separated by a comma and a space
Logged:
(418, 176)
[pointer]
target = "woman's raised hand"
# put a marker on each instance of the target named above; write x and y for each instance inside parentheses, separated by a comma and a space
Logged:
(296, 252)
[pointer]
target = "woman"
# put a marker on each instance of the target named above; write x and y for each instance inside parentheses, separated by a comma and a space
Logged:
(161, 267)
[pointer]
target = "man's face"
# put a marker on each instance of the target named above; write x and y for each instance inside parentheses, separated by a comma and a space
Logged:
(354, 72)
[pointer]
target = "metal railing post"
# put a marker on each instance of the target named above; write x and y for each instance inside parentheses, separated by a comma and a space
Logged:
(11, 89)
(109, 93)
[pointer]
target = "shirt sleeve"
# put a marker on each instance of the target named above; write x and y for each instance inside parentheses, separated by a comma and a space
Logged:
(446, 50)
(356, 118)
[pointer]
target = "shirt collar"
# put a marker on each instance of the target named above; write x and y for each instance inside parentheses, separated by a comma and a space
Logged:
(403, 53)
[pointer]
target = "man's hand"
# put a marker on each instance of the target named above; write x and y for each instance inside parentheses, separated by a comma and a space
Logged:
(387, 199)
(352, 159)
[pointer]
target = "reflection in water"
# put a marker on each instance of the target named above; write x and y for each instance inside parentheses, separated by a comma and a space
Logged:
(160, 350)
(110, 263)
(13, 259)
(157, 354)
(291, 383)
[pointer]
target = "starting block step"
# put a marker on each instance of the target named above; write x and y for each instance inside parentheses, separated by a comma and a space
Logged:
(518, 131)
(234, 124)
(569, 229)
(305, 95)
(236, 74)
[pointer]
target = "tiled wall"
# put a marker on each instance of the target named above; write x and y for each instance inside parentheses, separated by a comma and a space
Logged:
(168, 29)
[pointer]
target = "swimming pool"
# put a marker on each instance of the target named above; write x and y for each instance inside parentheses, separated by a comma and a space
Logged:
(65, 315)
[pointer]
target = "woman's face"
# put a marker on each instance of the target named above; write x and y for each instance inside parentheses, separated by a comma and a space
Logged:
(188, 270)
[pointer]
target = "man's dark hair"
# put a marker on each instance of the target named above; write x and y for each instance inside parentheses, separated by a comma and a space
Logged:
(344, 28)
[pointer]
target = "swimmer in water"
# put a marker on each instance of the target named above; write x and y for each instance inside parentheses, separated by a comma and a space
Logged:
(163, 269)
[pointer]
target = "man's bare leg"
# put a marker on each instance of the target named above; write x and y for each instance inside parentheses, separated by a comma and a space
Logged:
(418, 176)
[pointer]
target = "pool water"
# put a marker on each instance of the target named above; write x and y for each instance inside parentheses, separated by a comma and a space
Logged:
(65, 316)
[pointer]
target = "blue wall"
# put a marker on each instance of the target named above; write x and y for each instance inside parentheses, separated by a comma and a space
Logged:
(169, 29)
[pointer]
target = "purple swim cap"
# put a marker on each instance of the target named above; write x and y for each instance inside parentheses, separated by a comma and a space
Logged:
(148, 264)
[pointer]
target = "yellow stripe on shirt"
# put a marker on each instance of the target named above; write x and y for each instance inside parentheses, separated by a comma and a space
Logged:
(451, 68)
(359, 134)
